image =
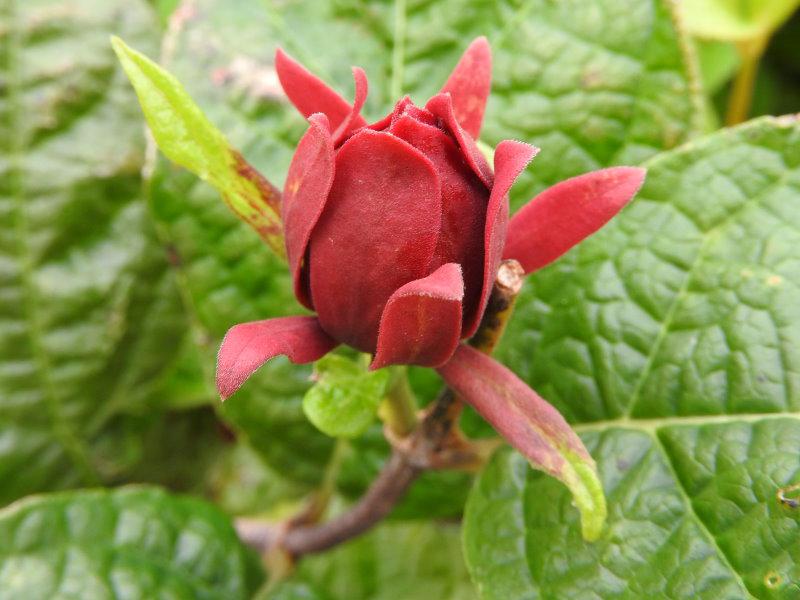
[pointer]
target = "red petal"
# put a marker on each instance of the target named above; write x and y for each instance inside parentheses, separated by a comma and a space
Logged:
(421, 323)
(469, 85)
(247, 346)
(510, 159)
(349, 124)
(307, 186)
(518, 413)
(441, 105)
(310, 94)
(563, 215)
(464, 201)
(378, 232)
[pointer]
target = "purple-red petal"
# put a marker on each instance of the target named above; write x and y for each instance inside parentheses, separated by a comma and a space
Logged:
(469, 85)
(464, 202)
(421, 324)
(378, 231)
(310, 94)
(247, 346)
(351, 121)
(441, 105)
(566, 213)
(308, 183)
(510, 159)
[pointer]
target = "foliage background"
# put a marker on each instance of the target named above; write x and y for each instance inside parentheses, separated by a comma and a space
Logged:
(665, 339)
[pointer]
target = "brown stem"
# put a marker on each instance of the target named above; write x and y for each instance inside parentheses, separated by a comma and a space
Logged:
(389, 487)
(435, 444)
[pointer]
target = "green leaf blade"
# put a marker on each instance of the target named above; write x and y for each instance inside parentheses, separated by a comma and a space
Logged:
(138, 541)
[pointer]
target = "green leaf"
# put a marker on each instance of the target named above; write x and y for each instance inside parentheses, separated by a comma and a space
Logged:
(612, 83)
(736, 20)
(392, 562)
(693, 514)
(132, 543)
(90, 318)
(187, 137)
(345, 396)
(669, 338)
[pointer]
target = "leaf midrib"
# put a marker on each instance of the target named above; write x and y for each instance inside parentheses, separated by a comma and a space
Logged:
(707, 237)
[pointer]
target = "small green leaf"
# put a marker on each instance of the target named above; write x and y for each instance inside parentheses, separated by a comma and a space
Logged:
(188, 138)
(345, 397)
(131, 542)
(736, 20)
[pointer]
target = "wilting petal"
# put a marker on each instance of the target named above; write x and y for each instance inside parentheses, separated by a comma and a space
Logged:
(531, 425)
(247, 346)
(469, 85)
(510, 159)
(563, 215)
(349, 124)
(464, 201)
(421, 324)
(441, 105)
(307, 186)
(378, 232)
(310, 94)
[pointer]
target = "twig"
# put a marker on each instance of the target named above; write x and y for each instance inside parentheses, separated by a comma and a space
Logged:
(741, 96)
(436, 443)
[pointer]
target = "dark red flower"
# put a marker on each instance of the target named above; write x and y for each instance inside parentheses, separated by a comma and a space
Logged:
(394, 230)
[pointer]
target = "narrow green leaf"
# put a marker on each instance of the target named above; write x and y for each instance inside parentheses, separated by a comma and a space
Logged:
(131, 542)
(345, 397)
(188, 138)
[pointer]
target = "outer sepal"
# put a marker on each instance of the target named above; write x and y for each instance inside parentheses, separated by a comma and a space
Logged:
(532, 426)
(568, 212)
(247, 346)
(310, 94)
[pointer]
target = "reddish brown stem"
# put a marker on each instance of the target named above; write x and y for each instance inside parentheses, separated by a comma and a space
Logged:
(435, 444)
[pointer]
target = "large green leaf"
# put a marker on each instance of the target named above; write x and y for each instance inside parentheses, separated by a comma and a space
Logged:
(393, 562)
(137, 543)
(90, 320)
(670, 337)
(613, 83)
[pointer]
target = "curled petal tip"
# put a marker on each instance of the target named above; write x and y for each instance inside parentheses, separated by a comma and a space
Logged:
(310, 94)
(421, 322)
